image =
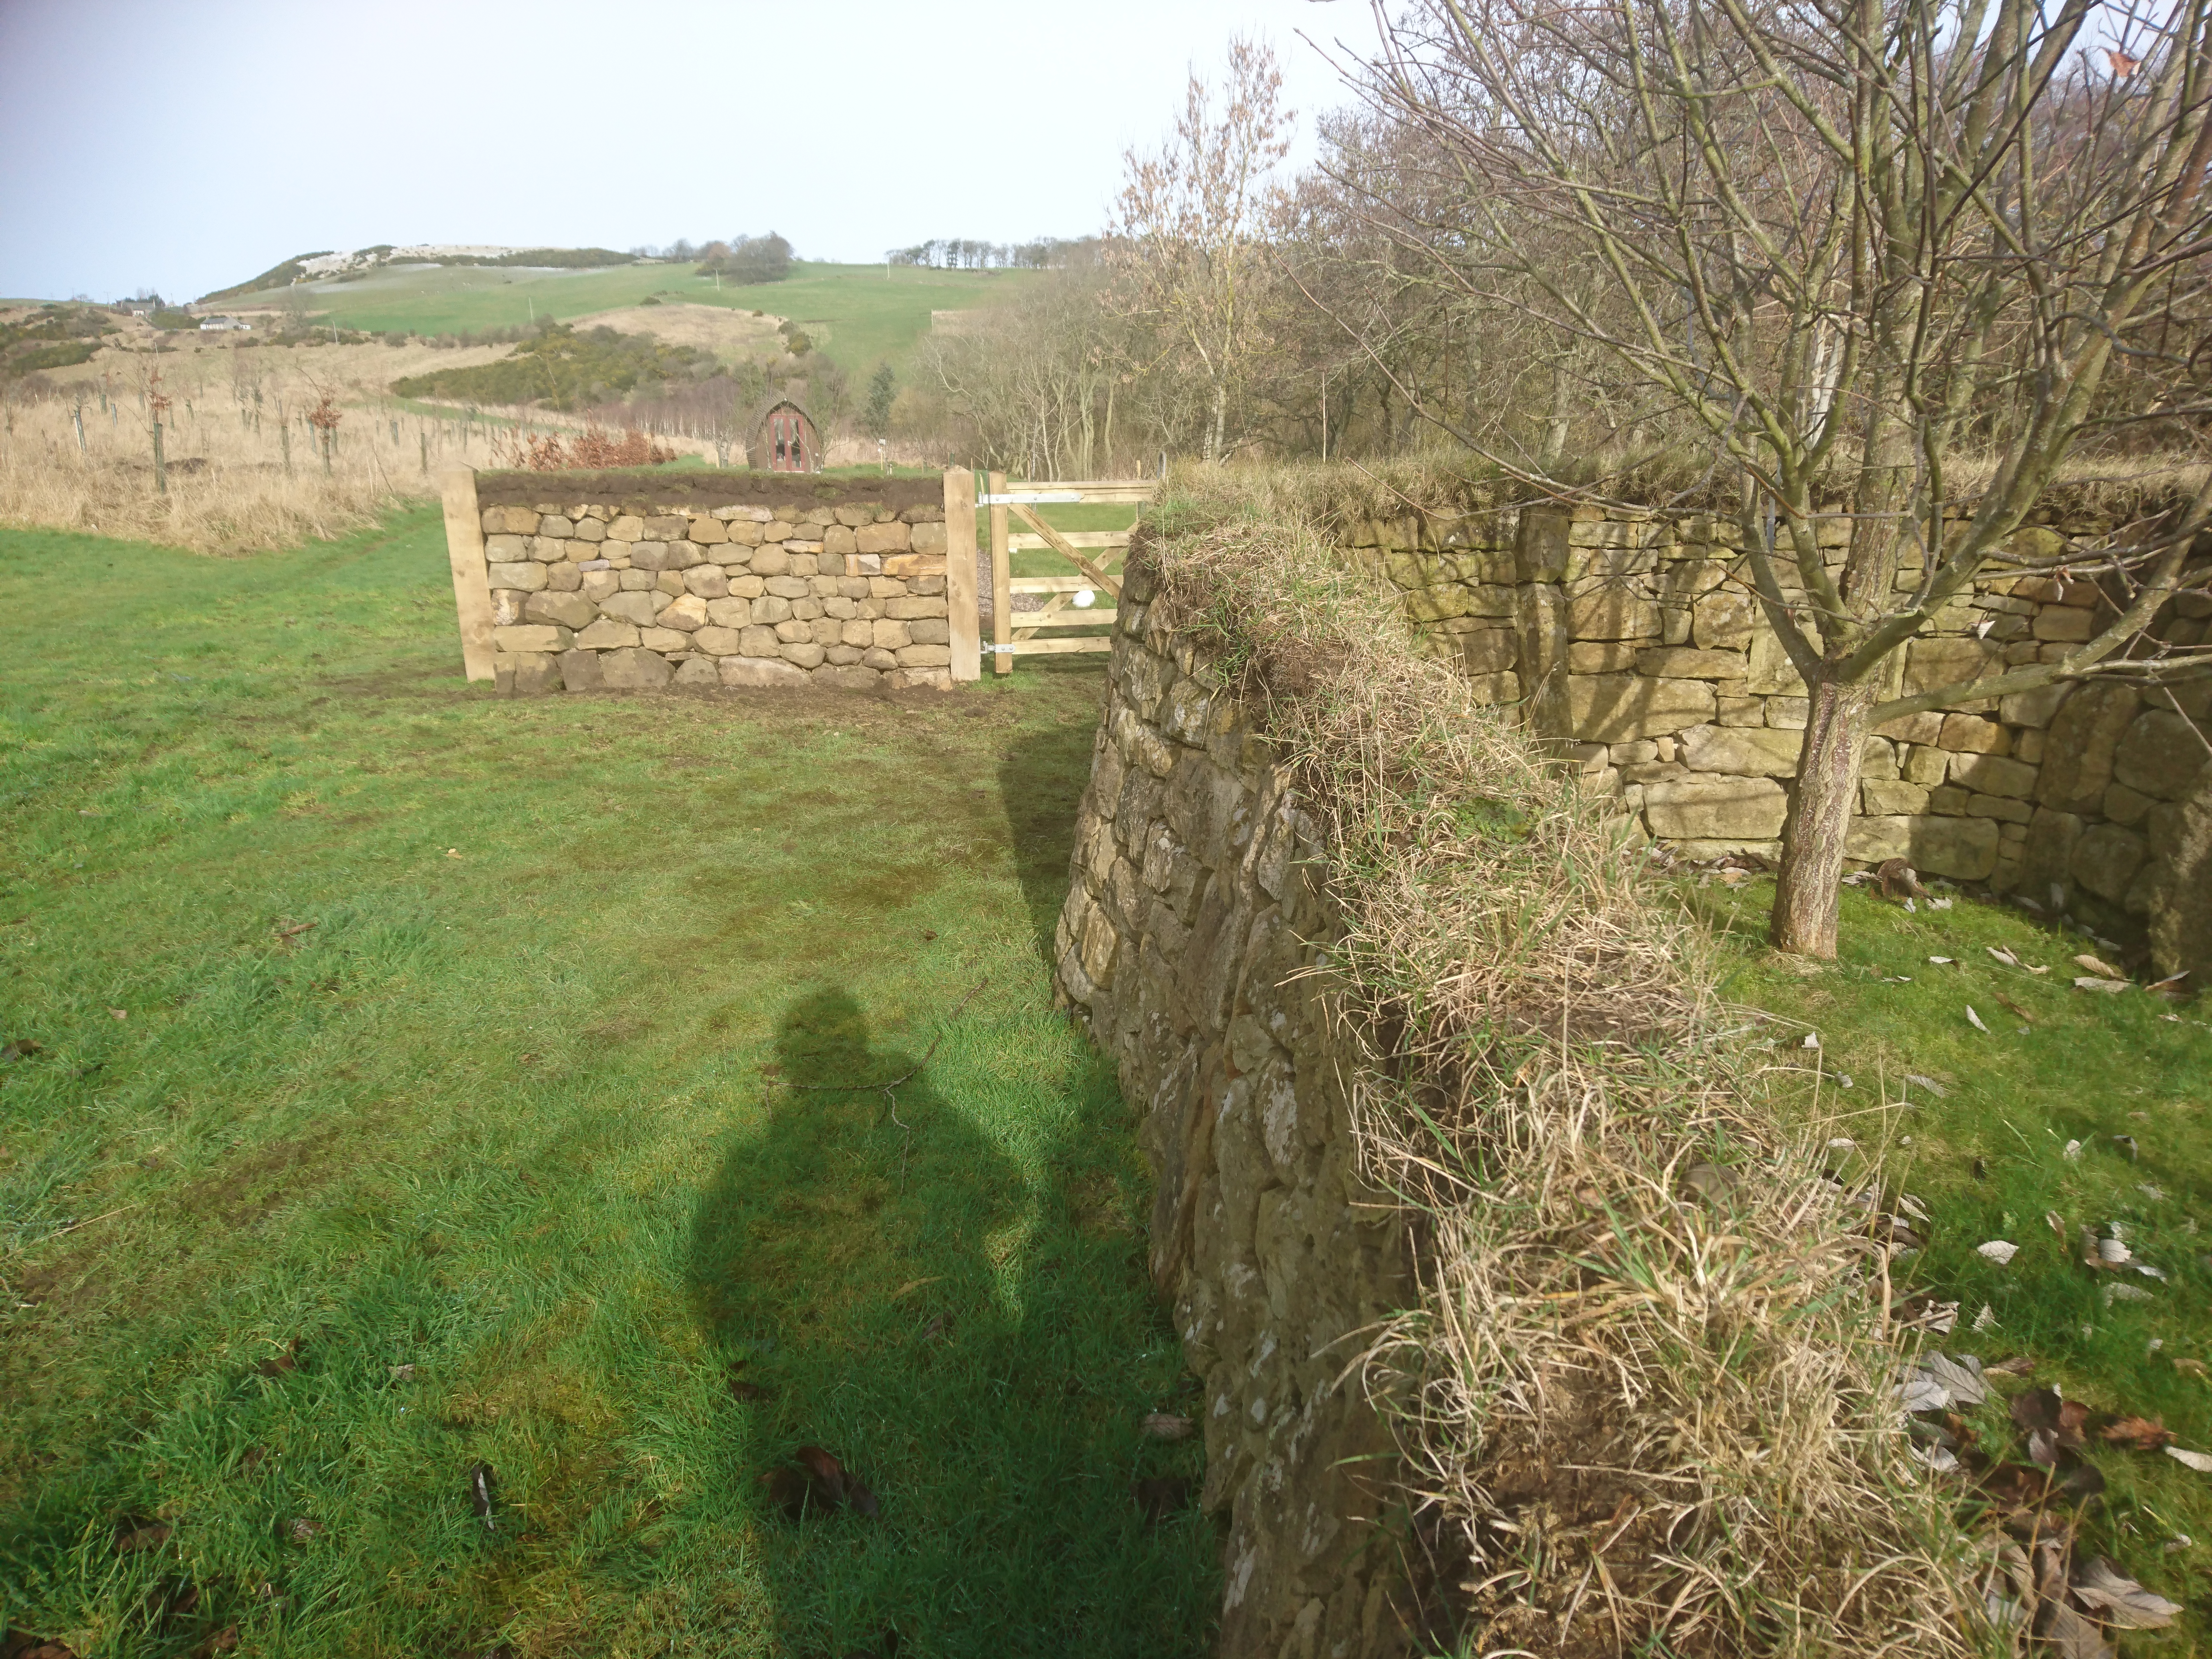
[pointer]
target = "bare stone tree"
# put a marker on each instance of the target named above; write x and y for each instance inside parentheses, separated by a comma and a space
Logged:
(1888, 261)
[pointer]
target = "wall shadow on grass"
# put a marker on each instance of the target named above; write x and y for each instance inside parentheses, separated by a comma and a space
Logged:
(1041, 780)
(971, 1332)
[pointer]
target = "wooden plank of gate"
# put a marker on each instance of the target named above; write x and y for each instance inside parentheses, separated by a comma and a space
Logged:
(963, 623)
(1056, 646)
(1060, 544)
(464, 552)
(1102, 538)
(1002, 600)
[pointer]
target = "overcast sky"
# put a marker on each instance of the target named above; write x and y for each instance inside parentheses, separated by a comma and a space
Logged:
(186, 148)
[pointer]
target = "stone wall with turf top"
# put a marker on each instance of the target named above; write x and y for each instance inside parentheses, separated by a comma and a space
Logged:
(1635, 641)
(619, 581)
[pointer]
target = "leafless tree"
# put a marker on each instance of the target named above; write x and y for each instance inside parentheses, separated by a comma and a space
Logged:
(1883, 258)
(1189, 240)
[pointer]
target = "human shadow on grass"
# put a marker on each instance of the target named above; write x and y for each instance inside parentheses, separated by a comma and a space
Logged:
(969, 1334)
(1041, 780)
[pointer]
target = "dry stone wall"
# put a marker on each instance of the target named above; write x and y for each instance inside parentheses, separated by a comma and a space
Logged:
(1636, 641)
(1192, 910)
(592, 594)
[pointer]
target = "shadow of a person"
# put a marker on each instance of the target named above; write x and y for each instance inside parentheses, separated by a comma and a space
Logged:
(935, 1310)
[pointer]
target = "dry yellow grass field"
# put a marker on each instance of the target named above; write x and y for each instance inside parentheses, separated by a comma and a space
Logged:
(731, 336)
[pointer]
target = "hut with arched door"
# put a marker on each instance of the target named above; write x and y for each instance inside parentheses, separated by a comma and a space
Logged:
(784, 440)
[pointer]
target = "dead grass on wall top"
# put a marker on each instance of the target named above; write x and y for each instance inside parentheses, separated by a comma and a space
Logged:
(1648, 1394)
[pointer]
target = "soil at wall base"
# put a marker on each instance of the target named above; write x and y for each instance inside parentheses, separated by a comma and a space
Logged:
(644, 491)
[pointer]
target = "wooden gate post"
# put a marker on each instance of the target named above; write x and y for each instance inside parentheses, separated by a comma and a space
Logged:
(963, 623)
(464, 550)
(1002, 596)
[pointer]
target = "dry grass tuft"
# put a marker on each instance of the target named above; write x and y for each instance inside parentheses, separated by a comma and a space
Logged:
(1648, 1398)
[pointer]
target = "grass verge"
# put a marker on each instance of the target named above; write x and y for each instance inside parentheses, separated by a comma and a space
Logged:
(2125, 1080)
(407, 1080)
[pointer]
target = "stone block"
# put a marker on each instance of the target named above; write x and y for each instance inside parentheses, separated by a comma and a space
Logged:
(526, 575)
(1768, 667)
(2178, 896)
(847, 676)
(557, 526)
(580, 671)
(930, 630)
(1603, 656)
(707, 582)
(1789, 713)
(2084, 736)
(1932, 664)
(567, 610)
(909, 566)
(1741, 711)
(2064, 624)
(1615, 708)
(607, 634)
(548, 550)
(789, 587)
(1754, 751)
(706, 530)
(893, 538)
(2047, 873)
(908, 608)
(1926, 726)
(729, 613)
(1994, 774)
(1716, 808)
(538, 637)
(505, 549)
(759, 640)
(637, 581)
(1925, 765)
(2105, 860)
(2160, 756)
(928, 537)
(1725, 620)
(1612, 612)
(526, 673)
(1487, 651)
(1962, 848)
(2004, 809)
(1878, 836)
(627, 528)
(634, 669)
(628, 605)
(564, 578)
(2124, 806)
(591, 530)
(923, 656)
(1885, 799)
(718, 641)
(805, 654)
(1971, 734)
(770, 609)
(1684, 663)
(669, 641)
(771, 561)
(754, 671)
(792, 629)
(507, 606)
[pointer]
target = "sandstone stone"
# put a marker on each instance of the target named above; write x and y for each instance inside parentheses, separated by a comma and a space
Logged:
(1768, 667)
(757, 640)
(1877, 837)
(1612, 612)
(590, 530)
(664, 640)
(1931, 665)
(2161, 756)
(555, 526)
(729, 613)
(1683, 663)
(629, 606)
(838, 542)
(2123, 805)
(508, 604)
(1973, 734)
(1994, 774)
(2105, 860)
(1885, 798)
(634, 669)
(527, 575)
(927, 538)
(580, 671)
(706, 532)
(531, 637)
(1725, 620)
(2005, 809)
(2064, 624)
(1741, 711)
(707, 582)
(697, 671)
(923, 656)
(607, 634)
(1615, 708)
(2085, 733)
(567, 610)
(2179, 897)
(505, 549)
(805, 653)
(1962, 848)
(1487, 651)
(845, 677)
(1714, 808)
(879, 659)
(1601, 656)
(564, 578)
(2046, 873)
(1741, 750)
(528, 673)
(790, 587)
(718, 641)
(930, 630)
(683, 614)
(771, 562)
(1926, 726)
(627, 528)
(771, 609)
(907, 609)
(670, 582)
(1926, 766)
(637, 581)
(2037, 707)
(794, 630)
(1789, 713)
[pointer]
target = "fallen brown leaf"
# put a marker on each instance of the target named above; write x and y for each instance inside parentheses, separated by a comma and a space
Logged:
(144, 1535)
(2140, 1433)
(280, 1365)
(2043, 1410)
(2105, 1588)
(2072, 1635)
(1166, 1425)
(2102, 970)
(2018, 1365)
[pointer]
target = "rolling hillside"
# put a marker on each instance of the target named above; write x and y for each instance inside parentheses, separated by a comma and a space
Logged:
(856, 315)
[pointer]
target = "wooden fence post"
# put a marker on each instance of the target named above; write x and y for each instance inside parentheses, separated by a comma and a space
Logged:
(464, 549)
(963, 623)
(1002, 597)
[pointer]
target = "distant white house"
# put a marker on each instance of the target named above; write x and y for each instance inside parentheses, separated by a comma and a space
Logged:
(222, 325)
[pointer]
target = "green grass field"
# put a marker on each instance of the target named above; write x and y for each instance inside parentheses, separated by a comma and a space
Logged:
(405, 1079)
(870, 316)
(2126, 1078)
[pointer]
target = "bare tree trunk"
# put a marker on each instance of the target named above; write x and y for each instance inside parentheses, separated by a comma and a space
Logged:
(1803, 921)
(1220, 421)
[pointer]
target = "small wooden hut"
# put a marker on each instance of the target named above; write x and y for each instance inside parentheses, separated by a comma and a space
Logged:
(784, 440)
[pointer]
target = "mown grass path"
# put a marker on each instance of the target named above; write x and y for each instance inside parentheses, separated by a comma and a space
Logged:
(412, 1090)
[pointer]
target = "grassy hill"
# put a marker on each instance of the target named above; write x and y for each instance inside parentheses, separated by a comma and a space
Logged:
(857, 315)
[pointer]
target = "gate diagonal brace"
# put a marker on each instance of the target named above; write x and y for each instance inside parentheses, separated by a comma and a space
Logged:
(1067, 550)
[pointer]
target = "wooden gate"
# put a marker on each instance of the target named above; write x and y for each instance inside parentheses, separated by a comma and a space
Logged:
(1084, 599)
